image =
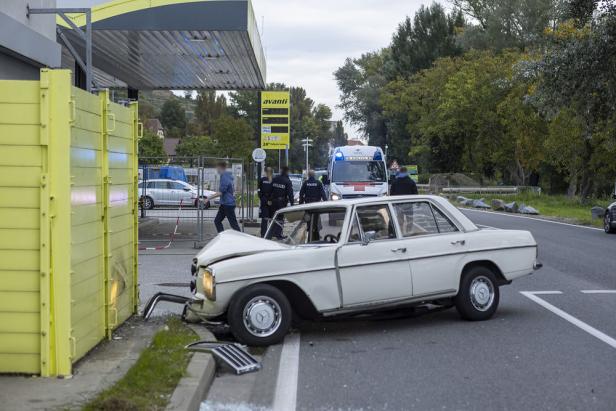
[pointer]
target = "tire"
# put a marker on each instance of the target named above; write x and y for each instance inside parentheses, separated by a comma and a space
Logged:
(607, 223)
(267, 304)
(201, 204)
(478, 297)
(148, 203)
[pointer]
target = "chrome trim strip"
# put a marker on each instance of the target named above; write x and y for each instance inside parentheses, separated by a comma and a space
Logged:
(443, 254)
(387, 303)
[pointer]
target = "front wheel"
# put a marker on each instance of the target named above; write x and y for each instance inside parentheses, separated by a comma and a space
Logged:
(478, 296)
(148, 203)
(260, 315)
(607, 223)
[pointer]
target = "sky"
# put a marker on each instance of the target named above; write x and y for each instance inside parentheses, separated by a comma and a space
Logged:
(306, 41)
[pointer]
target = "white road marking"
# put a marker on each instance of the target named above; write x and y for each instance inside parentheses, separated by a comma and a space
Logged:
(598, 291)
(532, 295)
(285, 398)
(531, 218)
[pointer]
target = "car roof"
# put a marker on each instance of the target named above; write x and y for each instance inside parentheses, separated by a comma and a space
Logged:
(467, 224)
(162, 179)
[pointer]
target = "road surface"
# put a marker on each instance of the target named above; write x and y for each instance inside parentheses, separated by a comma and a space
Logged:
(551, 345)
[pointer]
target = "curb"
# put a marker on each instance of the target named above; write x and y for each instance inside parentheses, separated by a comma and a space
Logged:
(193, 387)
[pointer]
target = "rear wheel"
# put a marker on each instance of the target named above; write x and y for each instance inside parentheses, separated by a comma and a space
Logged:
(607, 223)
(479, 295)
(260, 315)
(202, 204)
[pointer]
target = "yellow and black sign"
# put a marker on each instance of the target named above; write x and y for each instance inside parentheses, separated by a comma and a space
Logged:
(275, 127)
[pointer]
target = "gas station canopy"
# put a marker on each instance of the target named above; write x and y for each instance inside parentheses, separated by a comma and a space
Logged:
(172, 44)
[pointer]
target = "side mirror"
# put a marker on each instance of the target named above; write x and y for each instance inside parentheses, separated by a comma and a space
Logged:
(186, 189)
(369, 236)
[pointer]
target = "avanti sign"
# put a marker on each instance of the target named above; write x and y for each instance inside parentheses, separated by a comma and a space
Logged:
(275, 125)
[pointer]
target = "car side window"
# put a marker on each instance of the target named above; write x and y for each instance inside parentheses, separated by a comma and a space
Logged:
(163, 185)
(415, 218)
(377, 219)
(443, 222)
(177, 186)
(355, 236)
(151, 184)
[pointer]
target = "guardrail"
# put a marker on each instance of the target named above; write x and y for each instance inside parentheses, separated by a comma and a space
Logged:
(480, 190)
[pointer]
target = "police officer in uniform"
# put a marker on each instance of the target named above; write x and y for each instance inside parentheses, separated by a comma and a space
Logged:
(265, 199)
(312, 190)
(403, 184)
(282, 194)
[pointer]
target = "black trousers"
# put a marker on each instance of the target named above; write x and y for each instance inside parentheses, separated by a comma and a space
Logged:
(266, 215)
(228, 212)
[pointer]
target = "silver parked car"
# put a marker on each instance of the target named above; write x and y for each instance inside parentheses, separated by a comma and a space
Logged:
(162, 192)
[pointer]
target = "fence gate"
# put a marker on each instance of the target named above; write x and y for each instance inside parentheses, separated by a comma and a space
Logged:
(172, 197)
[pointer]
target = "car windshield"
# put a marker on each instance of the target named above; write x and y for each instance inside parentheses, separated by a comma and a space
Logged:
(358, 171)
(323, 226)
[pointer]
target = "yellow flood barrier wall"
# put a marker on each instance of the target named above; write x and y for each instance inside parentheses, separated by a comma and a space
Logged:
(68, 222)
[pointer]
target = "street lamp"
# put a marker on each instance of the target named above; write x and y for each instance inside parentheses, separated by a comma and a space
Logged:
(306, 142)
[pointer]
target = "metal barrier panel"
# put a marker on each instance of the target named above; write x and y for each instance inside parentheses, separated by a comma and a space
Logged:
(87, 264)
(21, 166)
(121, 153)
(68, 222)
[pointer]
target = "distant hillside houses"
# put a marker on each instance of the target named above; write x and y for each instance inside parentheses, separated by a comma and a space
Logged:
(155, 126)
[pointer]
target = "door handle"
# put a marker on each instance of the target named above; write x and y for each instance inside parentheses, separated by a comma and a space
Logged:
(459, 242)
(399, 250)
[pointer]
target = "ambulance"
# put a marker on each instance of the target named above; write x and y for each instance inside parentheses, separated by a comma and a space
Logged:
(357, 171)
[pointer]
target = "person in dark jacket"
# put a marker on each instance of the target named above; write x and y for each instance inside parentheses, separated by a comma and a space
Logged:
(312, 190)
(403, 184)
(265, 199)
(282, 194)
(226, 193)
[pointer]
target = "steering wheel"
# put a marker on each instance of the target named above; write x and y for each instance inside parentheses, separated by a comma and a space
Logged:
(330, 238)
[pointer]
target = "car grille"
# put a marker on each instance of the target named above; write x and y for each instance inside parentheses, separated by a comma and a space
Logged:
(613, 211)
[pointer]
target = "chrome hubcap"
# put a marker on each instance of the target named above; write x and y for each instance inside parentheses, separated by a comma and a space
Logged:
(262, 316)
(482, 293)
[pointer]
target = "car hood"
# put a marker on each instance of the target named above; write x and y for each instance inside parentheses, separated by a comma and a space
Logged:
(231, 244)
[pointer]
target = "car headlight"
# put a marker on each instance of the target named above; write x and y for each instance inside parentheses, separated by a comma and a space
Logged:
(335, 197)
(209, 284)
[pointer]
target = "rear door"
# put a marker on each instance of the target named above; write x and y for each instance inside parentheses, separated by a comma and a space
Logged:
(435, 246)
(377, 271)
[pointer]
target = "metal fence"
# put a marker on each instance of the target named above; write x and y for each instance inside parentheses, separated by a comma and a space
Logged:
(173, 198)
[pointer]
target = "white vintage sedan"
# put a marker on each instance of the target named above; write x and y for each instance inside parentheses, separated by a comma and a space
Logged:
(352, 256)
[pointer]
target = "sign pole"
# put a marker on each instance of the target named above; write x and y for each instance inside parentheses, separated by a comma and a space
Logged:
(260, 168)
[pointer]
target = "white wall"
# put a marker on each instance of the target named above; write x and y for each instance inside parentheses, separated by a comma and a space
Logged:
(41, 23)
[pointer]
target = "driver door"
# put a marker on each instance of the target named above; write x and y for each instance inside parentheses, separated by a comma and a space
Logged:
(375, 271)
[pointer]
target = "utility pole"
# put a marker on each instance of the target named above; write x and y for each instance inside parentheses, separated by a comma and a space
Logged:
(306, 142)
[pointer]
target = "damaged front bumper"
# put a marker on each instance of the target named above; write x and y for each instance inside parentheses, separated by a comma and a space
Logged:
(196, 308)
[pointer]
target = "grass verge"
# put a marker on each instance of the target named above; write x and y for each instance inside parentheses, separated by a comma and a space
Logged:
(149, 383)
(559, 206)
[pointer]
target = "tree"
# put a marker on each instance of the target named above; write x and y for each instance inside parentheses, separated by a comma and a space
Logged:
(417, 43)
(151, 147)
(210, 108)
(233, 137)
(506, 23)
(360, 82)
(576, 76)
(173, 118)
(339, 137)
(193, 146)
